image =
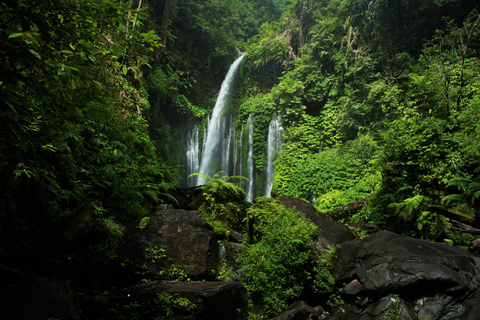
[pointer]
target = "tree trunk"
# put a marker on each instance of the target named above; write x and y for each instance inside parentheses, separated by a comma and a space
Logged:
(460, 227)
(163, 31)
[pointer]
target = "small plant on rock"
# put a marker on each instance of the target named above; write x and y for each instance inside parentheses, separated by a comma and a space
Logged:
(224, 204)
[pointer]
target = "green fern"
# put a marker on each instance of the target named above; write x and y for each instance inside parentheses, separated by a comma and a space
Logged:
(469, 191)
(217, 178)
(224, 206)
(406, 209)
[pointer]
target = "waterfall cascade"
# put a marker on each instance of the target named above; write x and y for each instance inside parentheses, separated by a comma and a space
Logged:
(274, 147)
(224, 149)
(249, 190)
(191, 159)
(217, 145)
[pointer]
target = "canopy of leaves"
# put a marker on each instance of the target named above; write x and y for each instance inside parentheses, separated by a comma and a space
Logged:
(406, 80)
(72, 122)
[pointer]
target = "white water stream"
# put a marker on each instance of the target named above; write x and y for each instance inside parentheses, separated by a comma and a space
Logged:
(217, 145)
(275, 132)
(250, 174)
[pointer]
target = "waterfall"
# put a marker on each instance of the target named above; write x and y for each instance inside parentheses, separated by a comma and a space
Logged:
(250, 175)
(228, 146)
(238, 165)
(205, 134)
(191, 162)
(274, 141)
(213, 157)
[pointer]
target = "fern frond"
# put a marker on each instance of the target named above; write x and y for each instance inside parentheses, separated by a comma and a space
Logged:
(414, 202)
(473, 187)
(200, 176)
(459, 182)
(169, 196)
(216, 176)
(406, 208)
(238, 177)
(152, 194)
(476, 195)
(453, 198)
(404, 188)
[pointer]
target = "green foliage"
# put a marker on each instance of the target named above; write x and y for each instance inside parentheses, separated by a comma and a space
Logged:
(72, 113)
(287, 96)
(334, 177)
(224, 204)
(469, 188)
(143, 223)
(406, 208)
(324, 280)
(262, 109)
(276, 260)
(394, 312)
(458, 238)
(301, 142)
(414, 210)
(268, 55)
(168, 301)
(161, 308)
(225, 272)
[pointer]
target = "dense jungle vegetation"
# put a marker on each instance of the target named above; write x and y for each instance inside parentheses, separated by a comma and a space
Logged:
(379, 99)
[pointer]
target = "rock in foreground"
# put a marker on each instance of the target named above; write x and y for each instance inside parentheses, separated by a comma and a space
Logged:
(172, 300)
(387, 274)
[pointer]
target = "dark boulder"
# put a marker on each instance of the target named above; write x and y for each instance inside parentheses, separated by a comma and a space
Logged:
(331, 232)
(386, 273)
(171, 300)
(29, 297)
(388, 307)
(298, 310)
(474, 246)
(185, 238)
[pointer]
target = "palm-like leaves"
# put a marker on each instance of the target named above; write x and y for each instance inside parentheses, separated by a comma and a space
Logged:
(217, 180)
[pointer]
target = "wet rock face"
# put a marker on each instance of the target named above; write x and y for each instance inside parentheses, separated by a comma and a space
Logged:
(331, 232)
(186, 238)
(388, 273)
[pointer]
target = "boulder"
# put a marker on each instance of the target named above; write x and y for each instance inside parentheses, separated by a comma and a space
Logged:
(386, 273)
(331, 232)
(474, 246)
(171, 300)
(388, 307)
(298, 310)
(29, 297)
(185, 238)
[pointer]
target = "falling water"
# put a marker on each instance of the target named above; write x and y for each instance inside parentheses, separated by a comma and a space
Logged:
(191, 162)
(229, 154)
(275, 132)
(238, 165)
(218, 128)
(205, 134)
(250, 175)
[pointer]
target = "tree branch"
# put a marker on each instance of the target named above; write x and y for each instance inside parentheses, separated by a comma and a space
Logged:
(460, 227)
(468, 220)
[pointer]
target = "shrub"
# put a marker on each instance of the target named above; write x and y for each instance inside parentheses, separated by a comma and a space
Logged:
(224, 205)
(277, 261)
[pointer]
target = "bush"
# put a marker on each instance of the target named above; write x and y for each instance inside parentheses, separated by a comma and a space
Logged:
(224, 206)
(278, 259)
